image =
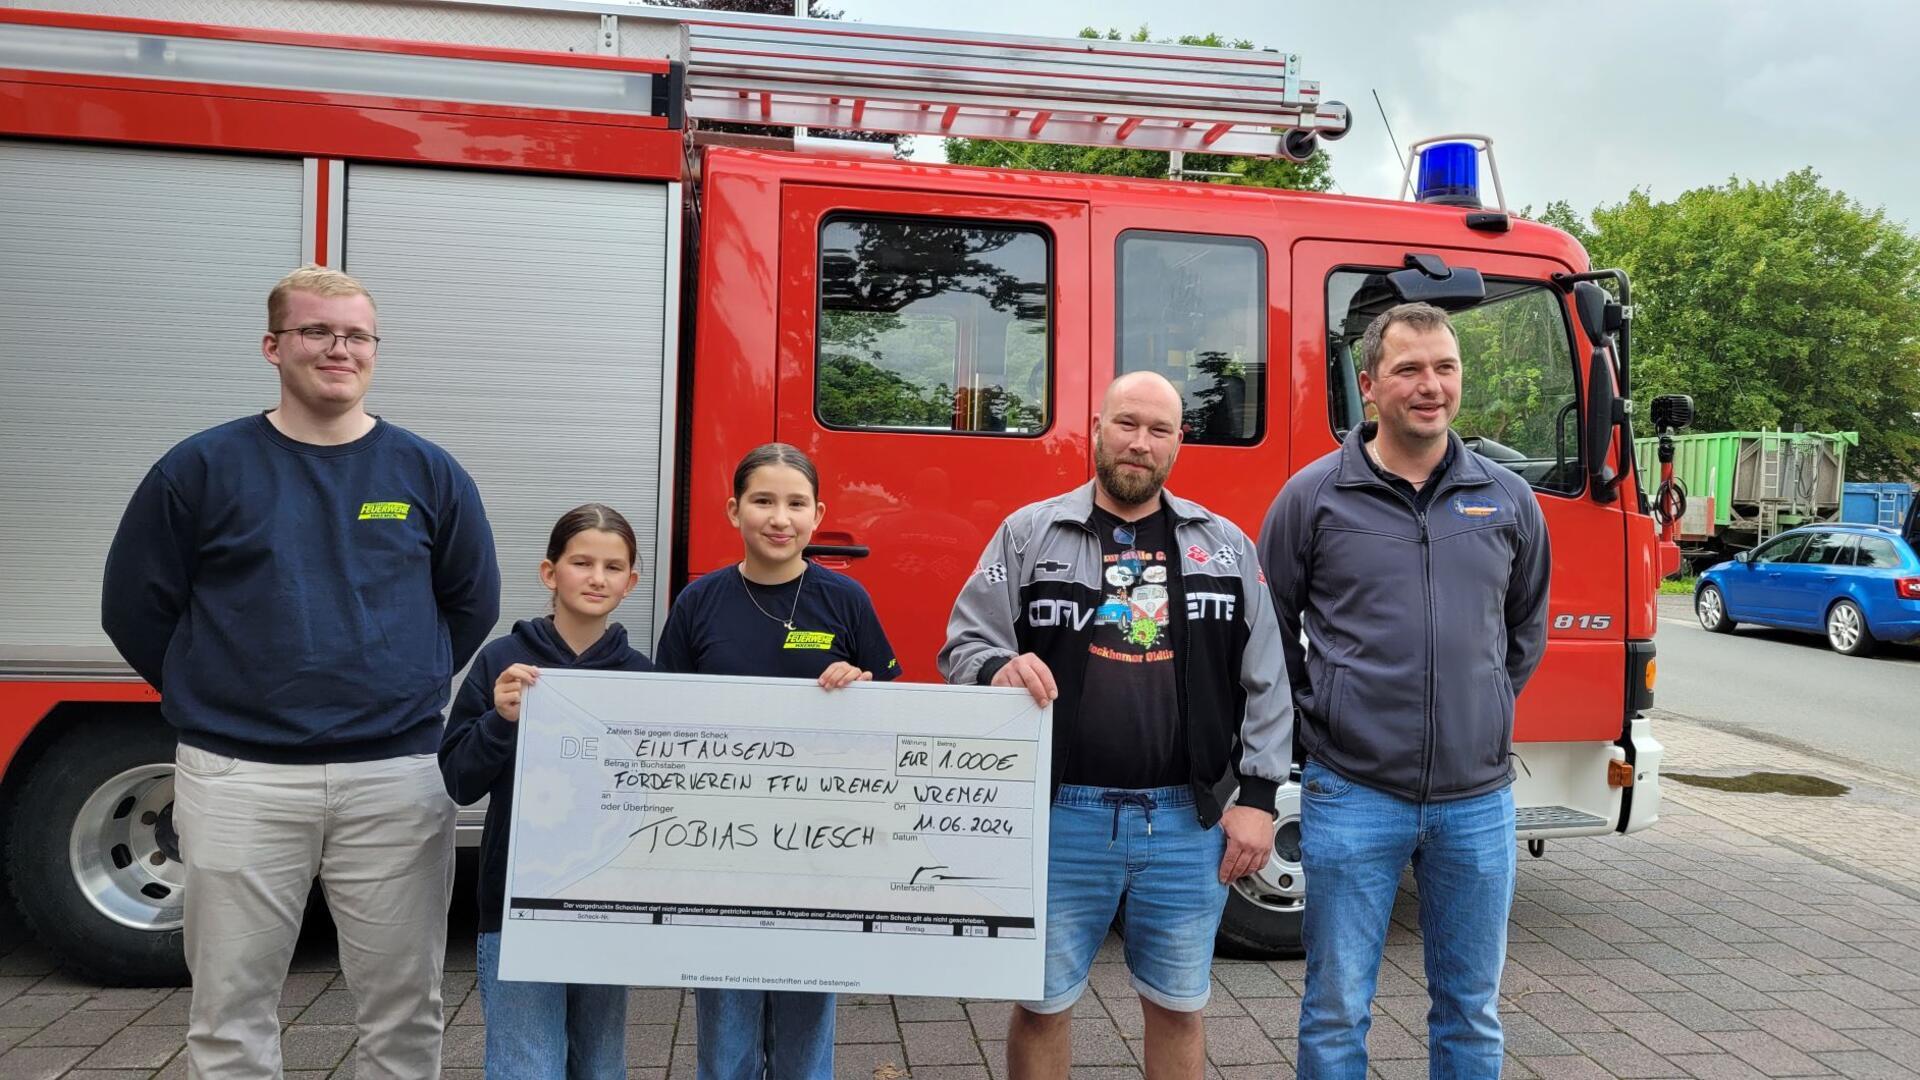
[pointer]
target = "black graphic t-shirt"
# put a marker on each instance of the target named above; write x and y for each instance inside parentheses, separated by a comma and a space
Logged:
(714, 628)
(1127, 733)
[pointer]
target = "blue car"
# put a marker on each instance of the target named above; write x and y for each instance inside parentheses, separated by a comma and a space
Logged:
(1858, 584)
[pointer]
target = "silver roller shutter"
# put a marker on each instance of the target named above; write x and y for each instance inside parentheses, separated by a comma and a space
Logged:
(523, 325)
(133, 288)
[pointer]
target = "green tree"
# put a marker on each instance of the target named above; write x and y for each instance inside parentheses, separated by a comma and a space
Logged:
(1561, 215)
(1773, 304)
(1313, 174)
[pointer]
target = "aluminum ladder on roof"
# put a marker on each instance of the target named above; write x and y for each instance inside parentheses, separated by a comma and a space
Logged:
(854, 76)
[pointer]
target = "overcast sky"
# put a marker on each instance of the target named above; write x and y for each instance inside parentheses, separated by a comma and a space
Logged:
(1584, 102)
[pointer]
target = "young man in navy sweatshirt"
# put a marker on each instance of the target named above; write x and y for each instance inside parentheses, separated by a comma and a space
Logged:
(300, 585)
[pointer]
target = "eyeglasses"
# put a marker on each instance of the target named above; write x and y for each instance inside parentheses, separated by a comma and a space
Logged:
(320, 339)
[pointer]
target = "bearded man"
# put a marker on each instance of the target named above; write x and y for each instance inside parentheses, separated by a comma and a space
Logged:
(1142, 619)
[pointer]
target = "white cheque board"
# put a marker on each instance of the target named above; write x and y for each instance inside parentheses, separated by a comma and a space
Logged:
(686, 830)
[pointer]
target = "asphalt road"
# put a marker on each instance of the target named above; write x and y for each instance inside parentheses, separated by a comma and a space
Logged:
(1791, 686)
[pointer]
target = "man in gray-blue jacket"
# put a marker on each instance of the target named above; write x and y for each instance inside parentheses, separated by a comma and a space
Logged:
(1418, 571)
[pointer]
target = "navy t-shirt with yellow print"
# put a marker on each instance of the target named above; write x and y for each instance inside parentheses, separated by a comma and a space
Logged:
(714, 628)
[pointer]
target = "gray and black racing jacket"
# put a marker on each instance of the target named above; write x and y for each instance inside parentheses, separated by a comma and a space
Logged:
(1038, 586)
(1425, 624)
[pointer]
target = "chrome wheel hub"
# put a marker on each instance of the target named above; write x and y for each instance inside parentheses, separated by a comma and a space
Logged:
(124, 851)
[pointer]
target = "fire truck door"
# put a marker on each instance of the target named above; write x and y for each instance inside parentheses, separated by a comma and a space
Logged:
(1519, 406)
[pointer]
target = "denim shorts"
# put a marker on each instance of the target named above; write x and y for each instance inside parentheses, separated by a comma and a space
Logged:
(1146, 848)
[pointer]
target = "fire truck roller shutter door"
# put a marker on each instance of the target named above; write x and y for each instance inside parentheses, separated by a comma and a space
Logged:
(132, 294)
(525, 325)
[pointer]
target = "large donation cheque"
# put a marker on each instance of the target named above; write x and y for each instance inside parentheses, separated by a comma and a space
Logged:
(729, 833)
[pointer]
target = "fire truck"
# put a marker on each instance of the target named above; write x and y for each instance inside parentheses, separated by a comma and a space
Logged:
(590, 291)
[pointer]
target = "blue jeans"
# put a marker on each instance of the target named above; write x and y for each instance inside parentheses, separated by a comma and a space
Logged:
(1354, 841)
(1147, 848)
(776, 1034)
(551, 1031)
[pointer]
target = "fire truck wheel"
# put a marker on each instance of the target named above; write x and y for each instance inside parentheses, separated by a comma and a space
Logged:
(1264, 911)
(94, 860)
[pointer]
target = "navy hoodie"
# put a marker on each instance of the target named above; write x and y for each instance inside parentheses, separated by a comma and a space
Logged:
(302, 604)
(477, 751)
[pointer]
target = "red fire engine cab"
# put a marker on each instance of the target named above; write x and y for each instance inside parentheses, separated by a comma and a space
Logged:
(588, 294)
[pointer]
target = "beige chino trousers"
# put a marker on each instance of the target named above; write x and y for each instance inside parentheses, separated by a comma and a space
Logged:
(253, 836)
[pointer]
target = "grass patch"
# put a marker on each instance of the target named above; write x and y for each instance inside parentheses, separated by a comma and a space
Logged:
(1764, 783)
(1678, 586)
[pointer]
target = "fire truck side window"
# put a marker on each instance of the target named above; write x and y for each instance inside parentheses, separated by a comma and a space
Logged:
(1519, 393)
(933, 325)
(1193, 308)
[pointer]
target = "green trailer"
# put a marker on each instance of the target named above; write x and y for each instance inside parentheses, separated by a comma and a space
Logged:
(1744, 486)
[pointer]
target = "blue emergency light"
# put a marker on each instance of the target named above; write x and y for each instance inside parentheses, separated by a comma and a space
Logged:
(1450, 175)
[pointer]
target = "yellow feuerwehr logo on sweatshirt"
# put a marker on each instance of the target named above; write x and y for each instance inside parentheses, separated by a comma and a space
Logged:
(808, 639)
(384, 511)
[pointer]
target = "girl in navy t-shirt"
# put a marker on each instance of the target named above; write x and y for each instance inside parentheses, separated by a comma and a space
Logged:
(773, 614)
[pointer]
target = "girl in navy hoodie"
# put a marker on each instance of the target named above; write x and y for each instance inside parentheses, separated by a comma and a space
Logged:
(542, 1031)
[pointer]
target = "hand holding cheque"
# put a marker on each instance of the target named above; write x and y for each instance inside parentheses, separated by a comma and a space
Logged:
(510, 688)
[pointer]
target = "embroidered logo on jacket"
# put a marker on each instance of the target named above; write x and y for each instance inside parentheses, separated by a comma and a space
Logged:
(384, 511)
(1474, 506)
(1198, 555)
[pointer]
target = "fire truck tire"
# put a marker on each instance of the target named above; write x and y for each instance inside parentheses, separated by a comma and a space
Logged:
(92, 855)
(1265, 909)
(1251, 931)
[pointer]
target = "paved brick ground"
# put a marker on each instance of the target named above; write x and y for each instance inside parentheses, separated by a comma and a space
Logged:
(1745, 936)
(1875, 829)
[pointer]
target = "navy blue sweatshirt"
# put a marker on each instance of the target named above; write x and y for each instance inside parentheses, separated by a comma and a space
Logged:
(302, 604)
(476, 754)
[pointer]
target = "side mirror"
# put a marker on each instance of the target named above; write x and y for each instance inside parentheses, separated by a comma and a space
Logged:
(1600, 318)
(1602, 407)
(1743, 557)
(1590, 303)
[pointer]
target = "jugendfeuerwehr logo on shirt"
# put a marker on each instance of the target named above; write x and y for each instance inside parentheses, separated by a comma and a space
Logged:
(384, 511)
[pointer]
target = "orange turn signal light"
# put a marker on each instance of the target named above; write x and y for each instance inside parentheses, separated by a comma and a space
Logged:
(1619, 774)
